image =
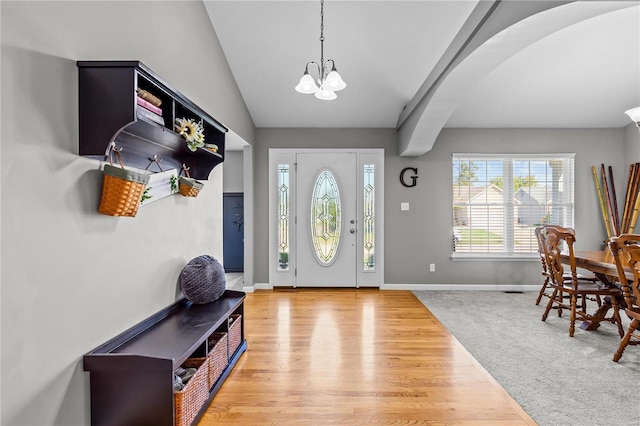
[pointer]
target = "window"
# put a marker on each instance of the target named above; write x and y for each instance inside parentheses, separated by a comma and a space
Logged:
(326, 218)
(283, 217)
(498, 201)
(368, 219)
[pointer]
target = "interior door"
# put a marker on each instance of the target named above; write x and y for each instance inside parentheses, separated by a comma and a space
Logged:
(326, 223)
(233, 231)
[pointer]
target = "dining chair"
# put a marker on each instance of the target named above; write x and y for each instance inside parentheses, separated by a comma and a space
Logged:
(626, 251)
(553, 238)
(544, 260)
(545, 270)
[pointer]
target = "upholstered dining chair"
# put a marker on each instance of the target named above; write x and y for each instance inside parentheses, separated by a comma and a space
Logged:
(544, 260)
(626, 252)
(553, 238)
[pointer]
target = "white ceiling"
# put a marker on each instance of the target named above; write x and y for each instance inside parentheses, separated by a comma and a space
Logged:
(585, 75)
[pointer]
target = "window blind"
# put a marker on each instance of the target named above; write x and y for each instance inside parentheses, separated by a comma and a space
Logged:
(499, 199)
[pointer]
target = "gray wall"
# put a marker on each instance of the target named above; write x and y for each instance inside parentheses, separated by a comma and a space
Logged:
(632, 143)
(422, 235)
(71, 278)
(233, 169)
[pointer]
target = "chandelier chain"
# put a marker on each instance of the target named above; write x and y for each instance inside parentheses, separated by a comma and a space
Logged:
(321, 20)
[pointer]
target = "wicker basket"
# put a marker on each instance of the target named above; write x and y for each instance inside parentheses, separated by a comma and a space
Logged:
(235, 333)
(190, 400)
(189, 187)
(218, 357)
(122, 189)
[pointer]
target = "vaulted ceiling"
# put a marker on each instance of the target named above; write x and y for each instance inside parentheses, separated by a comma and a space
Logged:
(419, 66)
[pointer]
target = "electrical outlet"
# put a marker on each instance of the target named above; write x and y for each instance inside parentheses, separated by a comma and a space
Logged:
(432, 267)
(404, 206)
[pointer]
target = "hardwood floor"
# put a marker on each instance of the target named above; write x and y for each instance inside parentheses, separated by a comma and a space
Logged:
(354, 357)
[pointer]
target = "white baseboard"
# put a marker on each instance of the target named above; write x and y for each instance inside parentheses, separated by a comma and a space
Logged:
(257, 286)
(471, 287)
(428, 287)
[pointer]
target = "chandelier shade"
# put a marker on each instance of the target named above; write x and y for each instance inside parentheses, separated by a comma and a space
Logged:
(325, 95)
(328, 81)
(334, 81)
(306, 84)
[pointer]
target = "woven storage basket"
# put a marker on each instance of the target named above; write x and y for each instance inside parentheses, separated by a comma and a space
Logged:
(189, 187)
(190, 400)
(235, 333)
(121, 189)
(218, 357)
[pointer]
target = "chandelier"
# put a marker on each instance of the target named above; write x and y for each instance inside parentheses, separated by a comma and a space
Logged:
(328, 81)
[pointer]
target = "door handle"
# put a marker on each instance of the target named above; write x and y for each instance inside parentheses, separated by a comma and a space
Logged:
(352, 230)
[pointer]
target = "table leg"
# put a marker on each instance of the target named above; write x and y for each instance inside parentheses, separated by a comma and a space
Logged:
(598, 315)
(601, 313)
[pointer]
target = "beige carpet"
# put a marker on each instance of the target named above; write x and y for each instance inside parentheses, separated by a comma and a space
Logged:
(558, 380)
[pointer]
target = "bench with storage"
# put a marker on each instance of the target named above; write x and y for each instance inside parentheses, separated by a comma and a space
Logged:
(132, 375)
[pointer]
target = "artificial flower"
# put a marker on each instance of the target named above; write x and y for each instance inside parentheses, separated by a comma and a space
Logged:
(192, 131)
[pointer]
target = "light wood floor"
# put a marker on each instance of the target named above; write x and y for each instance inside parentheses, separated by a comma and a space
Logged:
(353, 357)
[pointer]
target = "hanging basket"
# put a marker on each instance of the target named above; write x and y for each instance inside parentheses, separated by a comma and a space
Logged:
(188, 186)
(122, 189)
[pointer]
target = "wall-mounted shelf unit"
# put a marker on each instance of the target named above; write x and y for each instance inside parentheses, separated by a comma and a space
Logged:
(131, 375)
(109, 113)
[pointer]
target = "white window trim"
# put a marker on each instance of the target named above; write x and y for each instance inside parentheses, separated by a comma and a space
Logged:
(511, 256)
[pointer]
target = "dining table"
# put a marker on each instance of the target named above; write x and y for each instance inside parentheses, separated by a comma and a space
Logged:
(600, 262)
(603, 265)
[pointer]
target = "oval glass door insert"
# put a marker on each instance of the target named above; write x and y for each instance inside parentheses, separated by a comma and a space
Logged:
(325, 217)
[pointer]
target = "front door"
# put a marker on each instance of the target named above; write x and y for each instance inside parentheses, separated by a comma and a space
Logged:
(326, 220)
(326, 226)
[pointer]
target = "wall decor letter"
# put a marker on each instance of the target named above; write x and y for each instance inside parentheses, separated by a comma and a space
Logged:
(414, 177)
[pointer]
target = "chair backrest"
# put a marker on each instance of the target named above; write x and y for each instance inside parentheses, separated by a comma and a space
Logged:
(626, 252)
(552, 238)
(541, 250)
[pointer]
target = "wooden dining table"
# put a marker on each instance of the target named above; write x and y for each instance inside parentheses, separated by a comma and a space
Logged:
(602, 264)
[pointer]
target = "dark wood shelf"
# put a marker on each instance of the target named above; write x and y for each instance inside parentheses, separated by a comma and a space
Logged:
(131, 375)
(108, 116)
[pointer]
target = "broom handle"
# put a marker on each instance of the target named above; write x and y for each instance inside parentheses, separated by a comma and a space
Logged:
(602, 208)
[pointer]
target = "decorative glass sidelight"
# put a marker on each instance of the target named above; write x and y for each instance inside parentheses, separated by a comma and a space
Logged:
(283, 217)
(326, 215)
(368, 213)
